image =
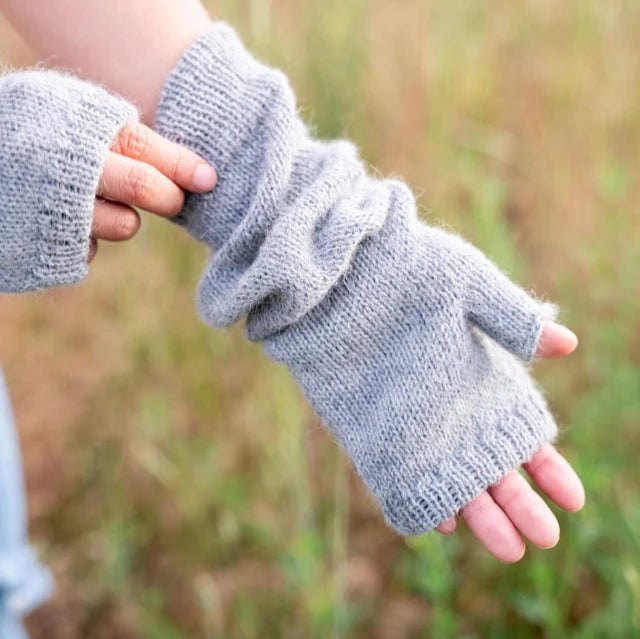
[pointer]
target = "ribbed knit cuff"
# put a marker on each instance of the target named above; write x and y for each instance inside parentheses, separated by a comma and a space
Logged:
(481, 460)
(55, 131)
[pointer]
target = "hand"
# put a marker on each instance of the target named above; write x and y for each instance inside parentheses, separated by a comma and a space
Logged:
(511, 508)
(144, 169)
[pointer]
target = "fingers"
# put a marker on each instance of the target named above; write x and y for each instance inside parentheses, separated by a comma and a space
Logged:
(526, 510)
(181, 166)
(138, 184)
(448, 526)
(114, 222)
(497, 516)
(556, 341)
(145, 170)
(491, 526)
(556, 478)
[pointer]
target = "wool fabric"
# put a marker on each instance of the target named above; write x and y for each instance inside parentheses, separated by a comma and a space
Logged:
(55, 132)
(405, 339)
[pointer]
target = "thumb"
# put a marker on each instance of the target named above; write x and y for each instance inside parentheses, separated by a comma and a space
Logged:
(556, 341)
(503, 310)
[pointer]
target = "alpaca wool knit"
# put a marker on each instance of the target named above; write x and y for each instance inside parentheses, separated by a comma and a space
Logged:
(405, 339)
(55, 132)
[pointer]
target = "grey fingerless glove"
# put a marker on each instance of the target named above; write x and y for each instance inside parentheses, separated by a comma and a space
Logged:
(55, 131)
(402, 336)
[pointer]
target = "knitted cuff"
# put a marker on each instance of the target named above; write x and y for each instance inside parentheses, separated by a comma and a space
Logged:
(214, 102)
(405, 339)
(55, 131)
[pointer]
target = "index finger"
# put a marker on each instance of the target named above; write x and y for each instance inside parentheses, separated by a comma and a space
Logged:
(182, 166)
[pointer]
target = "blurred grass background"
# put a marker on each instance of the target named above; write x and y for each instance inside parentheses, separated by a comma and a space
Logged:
(179, 485)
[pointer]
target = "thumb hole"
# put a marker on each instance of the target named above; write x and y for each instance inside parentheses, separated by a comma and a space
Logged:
(504, 311)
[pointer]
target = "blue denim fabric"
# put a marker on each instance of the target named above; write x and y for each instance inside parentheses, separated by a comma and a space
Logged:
(24, 582)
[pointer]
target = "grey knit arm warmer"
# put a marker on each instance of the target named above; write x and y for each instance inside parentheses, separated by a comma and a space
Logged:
(55, 131)
(404, 338)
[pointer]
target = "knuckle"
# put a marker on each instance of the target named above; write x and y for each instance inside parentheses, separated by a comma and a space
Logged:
(180, 164)
(108, 180)
(510, 490)
(509, 496)
(138, 186)
(539, 463)
(133, 141)
(472, 508)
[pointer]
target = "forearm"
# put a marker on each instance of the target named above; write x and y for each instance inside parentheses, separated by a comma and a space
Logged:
(128, 46)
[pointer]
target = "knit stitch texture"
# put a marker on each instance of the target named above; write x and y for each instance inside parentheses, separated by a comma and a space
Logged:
(54, 136)
(404, 338)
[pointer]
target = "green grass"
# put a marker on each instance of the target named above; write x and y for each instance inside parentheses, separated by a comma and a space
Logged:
(180, 486)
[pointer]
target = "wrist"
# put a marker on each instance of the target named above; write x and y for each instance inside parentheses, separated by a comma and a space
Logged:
(129, 47)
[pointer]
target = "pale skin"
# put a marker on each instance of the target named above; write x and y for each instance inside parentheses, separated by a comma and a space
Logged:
(130, 46)
(145, 170)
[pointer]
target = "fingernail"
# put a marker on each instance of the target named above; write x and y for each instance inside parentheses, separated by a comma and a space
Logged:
(204, 178)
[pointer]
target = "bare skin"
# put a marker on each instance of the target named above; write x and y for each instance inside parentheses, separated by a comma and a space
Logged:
(508, 511)
(131, 46)
(145, 170)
